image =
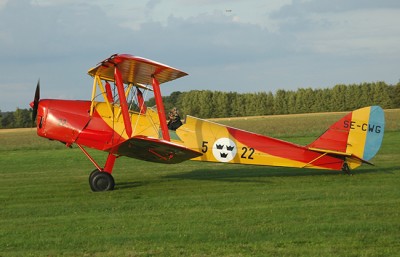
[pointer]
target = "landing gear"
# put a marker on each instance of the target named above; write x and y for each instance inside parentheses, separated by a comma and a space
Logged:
(101, 181)
(92, 174)
(346, 169)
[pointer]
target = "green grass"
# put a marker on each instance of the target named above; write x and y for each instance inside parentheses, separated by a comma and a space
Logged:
(193, 208)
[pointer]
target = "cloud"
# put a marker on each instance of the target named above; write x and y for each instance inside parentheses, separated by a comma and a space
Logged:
(312, 43)
(151, 4)
(349, 28)
(3, 3)
(209, 39)
(298, 8)
(52, 31)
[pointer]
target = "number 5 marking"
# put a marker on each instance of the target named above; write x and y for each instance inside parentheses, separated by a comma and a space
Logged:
(204, 147)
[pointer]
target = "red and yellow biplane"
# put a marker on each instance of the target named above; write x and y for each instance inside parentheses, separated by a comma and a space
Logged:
(117, 120)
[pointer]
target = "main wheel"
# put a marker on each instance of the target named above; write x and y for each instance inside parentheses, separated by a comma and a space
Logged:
(93, 173)
(91, 176)
(101, 181)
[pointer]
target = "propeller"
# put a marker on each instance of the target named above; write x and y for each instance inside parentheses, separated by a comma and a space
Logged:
(35, 103)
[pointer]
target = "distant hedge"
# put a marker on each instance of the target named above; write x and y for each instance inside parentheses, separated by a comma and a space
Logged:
(216, 104)
(20, 118)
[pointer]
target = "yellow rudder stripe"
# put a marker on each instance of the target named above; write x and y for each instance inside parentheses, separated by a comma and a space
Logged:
(358, 131)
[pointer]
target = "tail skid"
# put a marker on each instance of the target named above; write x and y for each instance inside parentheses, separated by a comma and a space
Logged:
(357, 136)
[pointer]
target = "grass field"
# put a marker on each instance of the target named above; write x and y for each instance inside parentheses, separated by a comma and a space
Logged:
(199, 209)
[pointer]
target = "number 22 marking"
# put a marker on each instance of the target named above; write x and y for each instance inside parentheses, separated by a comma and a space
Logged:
(245, 150)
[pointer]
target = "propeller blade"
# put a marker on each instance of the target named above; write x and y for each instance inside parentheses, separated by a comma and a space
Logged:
(36, 101)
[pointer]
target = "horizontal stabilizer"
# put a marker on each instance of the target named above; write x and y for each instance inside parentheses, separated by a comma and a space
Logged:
(154, 150)
(348, 155)
(329, 151)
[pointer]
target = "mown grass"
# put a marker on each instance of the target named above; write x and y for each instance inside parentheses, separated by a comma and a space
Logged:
(193, 208)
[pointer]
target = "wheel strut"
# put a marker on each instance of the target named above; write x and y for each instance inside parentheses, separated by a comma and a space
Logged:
(101, 179)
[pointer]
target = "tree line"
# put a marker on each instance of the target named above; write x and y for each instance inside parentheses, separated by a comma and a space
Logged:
(218, 104)
(20, 118)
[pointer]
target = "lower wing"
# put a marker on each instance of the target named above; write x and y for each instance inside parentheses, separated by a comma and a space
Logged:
(154, 150)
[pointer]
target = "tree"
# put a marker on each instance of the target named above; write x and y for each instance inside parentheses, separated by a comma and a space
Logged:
(221, 104)
(338, 100)
(173, 98)
(262, 103)
(250, 103)
(396, 96)
(352, 99)
(381, 95)
(236, 106)
(292, 100)
(301, 101)
(171, 101)
(205, 104)
(7, 121)
(280, 102)
(321, 102)
(185, 103)
(365, 95)
(22, 118)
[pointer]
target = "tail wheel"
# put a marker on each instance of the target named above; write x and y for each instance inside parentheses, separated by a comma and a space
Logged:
(101, 181)
(346, 168)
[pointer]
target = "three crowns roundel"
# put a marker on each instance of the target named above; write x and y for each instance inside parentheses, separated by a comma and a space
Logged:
(224, 149)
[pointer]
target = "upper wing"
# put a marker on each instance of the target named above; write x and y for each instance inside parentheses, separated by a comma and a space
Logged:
(135, 70)
(154, 150)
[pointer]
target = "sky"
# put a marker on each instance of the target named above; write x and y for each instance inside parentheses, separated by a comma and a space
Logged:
(224, 45)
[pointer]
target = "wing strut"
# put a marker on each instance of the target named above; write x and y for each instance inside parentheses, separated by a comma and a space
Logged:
(122, 100)
(160, 109)
(142, 105)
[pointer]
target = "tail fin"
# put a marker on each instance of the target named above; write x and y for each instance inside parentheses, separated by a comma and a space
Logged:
(358, 135)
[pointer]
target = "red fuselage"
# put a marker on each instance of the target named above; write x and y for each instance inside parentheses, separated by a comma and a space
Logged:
(68, 121)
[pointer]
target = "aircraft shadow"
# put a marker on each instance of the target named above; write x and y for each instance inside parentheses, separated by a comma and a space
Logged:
(130, 184)
(251, 174)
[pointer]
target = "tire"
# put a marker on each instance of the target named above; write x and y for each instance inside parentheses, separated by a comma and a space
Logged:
(101, 181)
(93, 173)
(91, 176)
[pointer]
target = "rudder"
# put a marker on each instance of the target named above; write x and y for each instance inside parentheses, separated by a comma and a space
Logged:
(366, 132)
